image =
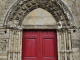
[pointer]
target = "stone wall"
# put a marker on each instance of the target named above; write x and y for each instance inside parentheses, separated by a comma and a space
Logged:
(74, 7)
(4, 38)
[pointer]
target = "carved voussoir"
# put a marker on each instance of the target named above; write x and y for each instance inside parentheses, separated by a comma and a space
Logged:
(17, 8)
(25, 1)
(34, 2)
(17, 18)
(29, 5)
(55, 8)
(21, 3)
(52, 1)
(26, 6)
(33, 7)
(10, 18)
(13, 13)
(50, 5)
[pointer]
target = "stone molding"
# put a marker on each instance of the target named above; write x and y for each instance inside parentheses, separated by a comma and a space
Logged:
(39, 27)
(21, 8)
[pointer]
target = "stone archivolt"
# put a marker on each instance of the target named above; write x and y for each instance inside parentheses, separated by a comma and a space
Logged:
(19, 11)
(22, 7)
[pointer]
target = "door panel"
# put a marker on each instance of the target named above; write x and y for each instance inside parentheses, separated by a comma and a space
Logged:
(48, 45)
(39, 45)
(30, 45)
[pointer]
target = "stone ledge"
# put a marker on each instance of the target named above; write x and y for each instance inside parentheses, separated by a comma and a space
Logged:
(3, 57)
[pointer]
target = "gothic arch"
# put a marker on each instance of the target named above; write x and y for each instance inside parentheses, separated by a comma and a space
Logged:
(22, 7)
(58, 10)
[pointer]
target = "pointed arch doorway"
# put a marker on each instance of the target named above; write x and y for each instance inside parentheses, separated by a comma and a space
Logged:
(39, 44)
(17, 14)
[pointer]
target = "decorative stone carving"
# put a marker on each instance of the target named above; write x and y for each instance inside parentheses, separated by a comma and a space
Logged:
(26, 6)
(17, 8)
(21, 3)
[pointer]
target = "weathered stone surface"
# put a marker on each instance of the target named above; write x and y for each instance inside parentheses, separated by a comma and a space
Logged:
(5, 5)
(76, 56)
(39, 17)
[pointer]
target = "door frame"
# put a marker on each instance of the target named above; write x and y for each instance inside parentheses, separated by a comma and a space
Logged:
(45, 29)
(61, 34)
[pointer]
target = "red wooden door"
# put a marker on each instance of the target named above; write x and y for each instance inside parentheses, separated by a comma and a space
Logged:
(39, 45)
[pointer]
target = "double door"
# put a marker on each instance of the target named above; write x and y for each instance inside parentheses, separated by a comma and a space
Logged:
(39, 45)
